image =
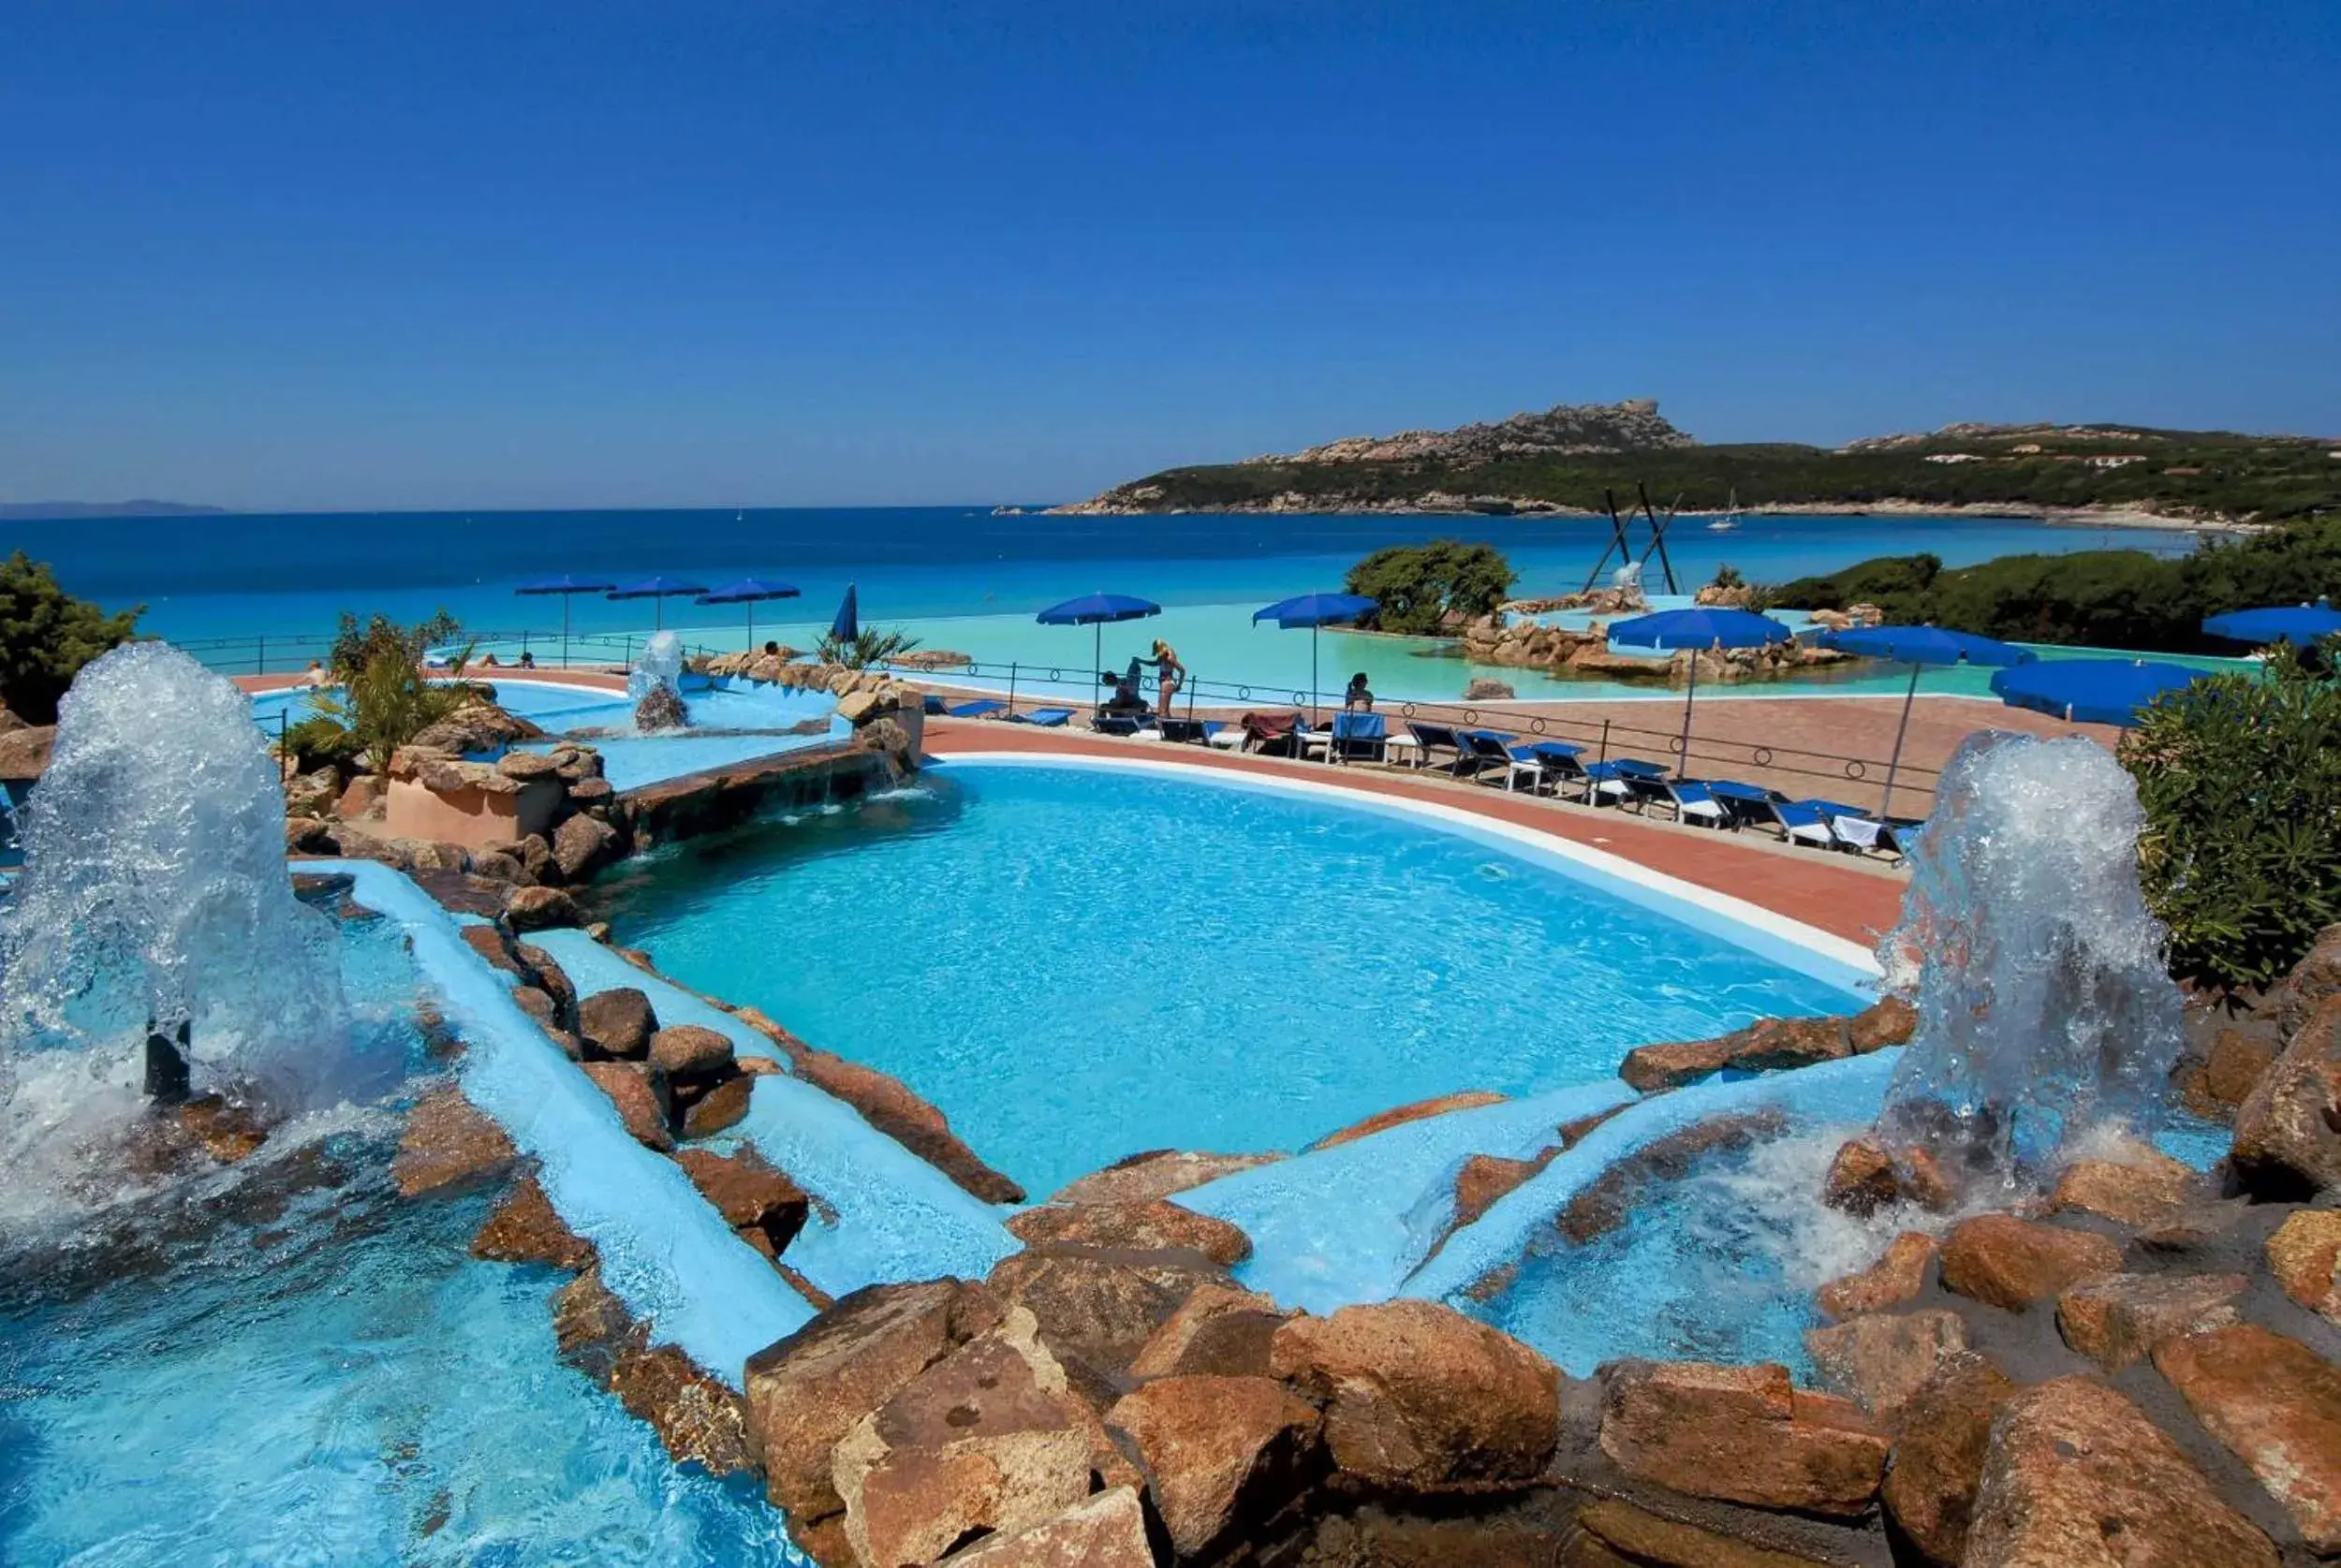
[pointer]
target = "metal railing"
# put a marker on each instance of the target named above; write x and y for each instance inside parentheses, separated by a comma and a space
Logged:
(1710, 756)
(290, 654)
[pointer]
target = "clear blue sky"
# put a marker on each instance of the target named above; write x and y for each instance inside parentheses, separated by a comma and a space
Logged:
(585, 254)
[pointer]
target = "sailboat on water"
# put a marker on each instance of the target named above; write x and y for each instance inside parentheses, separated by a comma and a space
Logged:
(1730, 517)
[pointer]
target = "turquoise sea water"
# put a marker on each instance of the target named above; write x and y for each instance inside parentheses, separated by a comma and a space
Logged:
(955, 576)
(1077, 964)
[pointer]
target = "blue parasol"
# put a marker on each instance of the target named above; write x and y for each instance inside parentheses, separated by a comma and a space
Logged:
(1096, 610)
(2302, 625)
(1696, 629)
(564, 585)
(1918, 647)
(750, 592)
(659, 590)
(1314, 610)
(847, 627)
(2091, 691)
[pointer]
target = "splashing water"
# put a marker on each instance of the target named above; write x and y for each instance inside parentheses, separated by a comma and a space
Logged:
(654, 685)
(2045, 1009)
(155, 894)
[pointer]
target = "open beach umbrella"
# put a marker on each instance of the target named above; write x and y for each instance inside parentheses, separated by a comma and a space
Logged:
(2090, 691)
(847, 627)
(1696, 629)
(1918, 647)
(1314, 610)
(749, 590)
(565, 585)
(658, 590)
(2302, 625)
(1096, 609)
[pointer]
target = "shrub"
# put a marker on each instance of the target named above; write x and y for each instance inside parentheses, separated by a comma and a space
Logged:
(2240, 776)
(47, 636)
(319, 741)
(868, 646)
(1417, 587)
(386, 700)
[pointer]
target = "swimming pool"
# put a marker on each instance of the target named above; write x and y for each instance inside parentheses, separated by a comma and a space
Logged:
(286, 1362)
(1077, 963)
(560, 708)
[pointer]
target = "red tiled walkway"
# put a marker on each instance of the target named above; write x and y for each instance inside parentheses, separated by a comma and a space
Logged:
(1846, 900)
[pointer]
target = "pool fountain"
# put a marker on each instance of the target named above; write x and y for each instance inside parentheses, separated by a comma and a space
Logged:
(154, 946)
(654, 685)
(2046, 1012)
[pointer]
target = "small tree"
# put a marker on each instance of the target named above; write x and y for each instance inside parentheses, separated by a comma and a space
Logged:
(867, 646)
(2240, 776)
(1419, 586)
(47, 636)
(386, 700)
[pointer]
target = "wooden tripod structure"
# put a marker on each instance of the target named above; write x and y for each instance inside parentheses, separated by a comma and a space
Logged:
(1623, 543)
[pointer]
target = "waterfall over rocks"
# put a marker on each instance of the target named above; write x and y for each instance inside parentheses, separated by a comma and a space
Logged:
(2045, 1008)
(155, 899)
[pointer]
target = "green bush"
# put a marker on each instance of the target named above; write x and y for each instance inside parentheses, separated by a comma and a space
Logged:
(320, 741)
(385, 699)
(47, 636)
(2095, 598)
(868, 646)
(2240, 776)
(1419, 586)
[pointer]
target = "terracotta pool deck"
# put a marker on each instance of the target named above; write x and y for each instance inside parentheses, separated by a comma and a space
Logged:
(1833, 893)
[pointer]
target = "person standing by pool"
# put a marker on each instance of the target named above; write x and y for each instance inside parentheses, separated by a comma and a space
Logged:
(1168, 672)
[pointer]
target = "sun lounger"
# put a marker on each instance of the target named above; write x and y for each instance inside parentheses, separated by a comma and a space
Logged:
(1801, 822)
(1688, 800)
(1273, 734)
(1357, 736)
(1117, 723)
(1749, 805)
(1185, 731)
(1047, 718)
(1223, 737)
(1438, 738)
(931, 702)
(982, 708)
(1495, 754)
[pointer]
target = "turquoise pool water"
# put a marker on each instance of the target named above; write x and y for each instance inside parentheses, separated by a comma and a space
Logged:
(562, 710)
(287, 1363)
(1077, 964)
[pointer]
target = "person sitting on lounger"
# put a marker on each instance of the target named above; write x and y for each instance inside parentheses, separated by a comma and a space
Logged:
(316, 676)
(1359, 695)
(1122, 695)
(528, 660)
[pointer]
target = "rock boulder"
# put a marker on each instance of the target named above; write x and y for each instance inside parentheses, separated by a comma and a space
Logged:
(806, 1392)
(1741, 1434)
(1106, 1531)
(2305, 1256)
(1938, 1462)
(449, 1145)
(618, 1023)
(2076, 1476)
(2117, 1321)
(1880, 1361)
(1896, 1277)
(2277, 1405)
(1216, 1451)
(2287, 1136)
(1418, 1398)
(1150, 1226)
(2012, 1263)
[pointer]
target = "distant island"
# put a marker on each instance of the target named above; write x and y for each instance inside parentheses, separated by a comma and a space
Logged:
(65, 511)
(1563, 460)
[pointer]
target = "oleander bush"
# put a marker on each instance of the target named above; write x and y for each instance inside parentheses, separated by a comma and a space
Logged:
(2240, 776)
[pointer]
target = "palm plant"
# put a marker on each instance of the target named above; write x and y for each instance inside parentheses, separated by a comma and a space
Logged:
(386, 702)
(867, 646)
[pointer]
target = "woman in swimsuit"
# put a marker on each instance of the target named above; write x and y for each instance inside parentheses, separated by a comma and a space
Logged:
(1170, 673)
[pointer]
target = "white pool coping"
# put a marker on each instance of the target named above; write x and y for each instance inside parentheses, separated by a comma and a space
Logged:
(1792, 944)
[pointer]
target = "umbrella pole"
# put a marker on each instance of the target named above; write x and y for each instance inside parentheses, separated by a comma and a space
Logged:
(1893, 764)
(565, 631)
(1313, 713)
(1096, 669)
(1690, 694)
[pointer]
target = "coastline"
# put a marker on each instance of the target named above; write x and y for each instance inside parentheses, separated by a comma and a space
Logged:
(1514, 507)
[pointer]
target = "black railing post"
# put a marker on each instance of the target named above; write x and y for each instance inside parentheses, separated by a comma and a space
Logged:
(1605, 742)
(259, 660)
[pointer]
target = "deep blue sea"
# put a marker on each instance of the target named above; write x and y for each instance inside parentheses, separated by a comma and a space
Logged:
(962, 578)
